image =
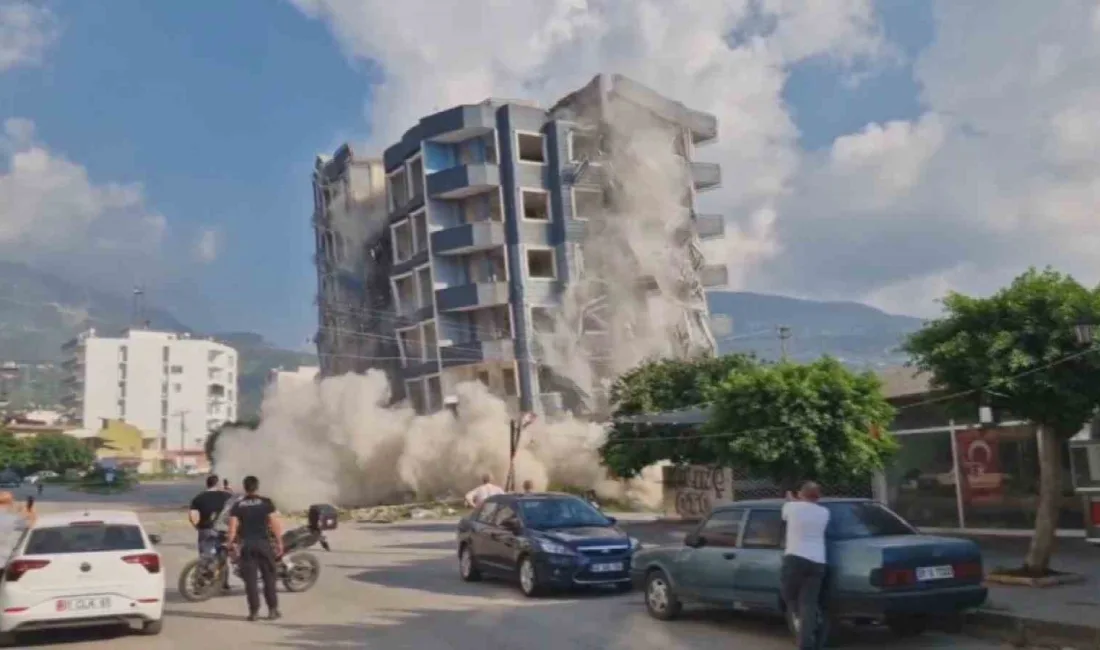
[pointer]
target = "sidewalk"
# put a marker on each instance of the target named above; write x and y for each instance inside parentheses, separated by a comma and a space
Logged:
(1065, 616)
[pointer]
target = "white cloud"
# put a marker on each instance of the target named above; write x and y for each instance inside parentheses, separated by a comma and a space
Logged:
(49, 205)
(1001, 172)
(27, 30)
(207, 246)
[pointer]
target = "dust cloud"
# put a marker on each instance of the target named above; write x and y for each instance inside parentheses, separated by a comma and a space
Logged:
(337, 441)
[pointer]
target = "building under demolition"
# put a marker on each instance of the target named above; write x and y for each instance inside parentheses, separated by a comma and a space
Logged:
(506, 245)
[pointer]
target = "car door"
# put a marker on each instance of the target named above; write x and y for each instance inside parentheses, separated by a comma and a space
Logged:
(707, 572)
(502, 542)
(756, 577)
(481, 526)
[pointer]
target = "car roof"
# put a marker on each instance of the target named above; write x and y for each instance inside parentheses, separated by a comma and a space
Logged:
(533, 496)
(777, 503)
(56, 519)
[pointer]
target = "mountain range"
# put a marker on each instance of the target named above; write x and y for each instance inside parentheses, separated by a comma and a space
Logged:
(40, 311)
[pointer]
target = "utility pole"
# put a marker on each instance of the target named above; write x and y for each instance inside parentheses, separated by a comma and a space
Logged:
(182, 415)
(784, 333)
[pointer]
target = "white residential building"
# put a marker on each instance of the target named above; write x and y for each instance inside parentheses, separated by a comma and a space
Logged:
(173, 387)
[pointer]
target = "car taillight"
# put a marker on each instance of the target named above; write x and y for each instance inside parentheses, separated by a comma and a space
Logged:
(1094, 513)
(969, 571)
(889, 577)
(16, 568)
(151, 561)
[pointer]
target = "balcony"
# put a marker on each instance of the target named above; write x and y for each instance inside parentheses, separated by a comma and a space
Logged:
(468, 238)
(475, 351)
(705, 175)
(710, 226)
(471, 296)
(463, 180)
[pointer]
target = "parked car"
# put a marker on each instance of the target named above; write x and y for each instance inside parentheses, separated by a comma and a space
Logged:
(880, 567)
(544, 541)
(82, 569)
(10, 479)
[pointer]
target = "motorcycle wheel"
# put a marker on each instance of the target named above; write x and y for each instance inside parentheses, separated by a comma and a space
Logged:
(199, 580)
(301, 572)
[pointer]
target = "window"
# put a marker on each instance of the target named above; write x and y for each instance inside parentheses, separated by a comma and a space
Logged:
(763, 530)
(435, 393)
(177, 388)
(84, 538)
(402, 241)
(404, 289)
(535, 204)
(398, 190)
(587, 203)
(410, 344)
(503, 514)
(530, 147)
(177, 370)
(483, 376)
(583, 146)
(722, 528)
(122, 353)
(508, 377)
(416, 177)
(424, 279)
(164, 425)
(542, 320)
(419, 232)
(540, 264)
(164, 354)
(163, 408)
(487, 511)
(858, 519)
(430, 343)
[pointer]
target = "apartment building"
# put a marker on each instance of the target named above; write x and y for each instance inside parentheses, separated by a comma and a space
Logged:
(487, 208)
(356, 319)
(175, 388)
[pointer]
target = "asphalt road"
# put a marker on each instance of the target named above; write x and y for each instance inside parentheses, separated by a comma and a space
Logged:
(397, 587)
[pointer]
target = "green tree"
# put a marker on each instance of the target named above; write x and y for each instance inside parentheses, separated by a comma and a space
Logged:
(14, 452)
(58, 452)
(790, 422)
(999, 347)
(655, 387)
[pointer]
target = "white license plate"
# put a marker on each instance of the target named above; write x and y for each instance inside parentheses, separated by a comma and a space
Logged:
(94, 604)
(926, 573)
(610, 567)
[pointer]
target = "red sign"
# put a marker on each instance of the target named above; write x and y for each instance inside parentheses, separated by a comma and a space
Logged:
(979, 465)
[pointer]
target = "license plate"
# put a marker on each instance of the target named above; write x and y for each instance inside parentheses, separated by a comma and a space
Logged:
(95, 604)
(610, 567)
(926, 573)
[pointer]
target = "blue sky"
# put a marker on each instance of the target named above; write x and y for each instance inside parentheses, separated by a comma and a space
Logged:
(217, 109)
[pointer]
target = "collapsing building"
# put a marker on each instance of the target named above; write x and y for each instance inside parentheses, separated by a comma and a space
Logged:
(356, 321)
(541, 252)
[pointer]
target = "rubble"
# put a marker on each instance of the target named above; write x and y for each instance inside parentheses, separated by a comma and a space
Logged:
(387, 514)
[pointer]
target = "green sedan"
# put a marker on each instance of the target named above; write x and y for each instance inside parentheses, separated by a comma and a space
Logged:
(880, 568)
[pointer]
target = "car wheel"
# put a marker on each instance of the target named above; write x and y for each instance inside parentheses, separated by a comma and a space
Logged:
(152, 628)
(529, 578)
(660, 598)
(467, 565)
(907, 626)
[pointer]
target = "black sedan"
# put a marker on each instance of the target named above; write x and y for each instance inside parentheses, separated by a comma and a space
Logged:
(544, 541)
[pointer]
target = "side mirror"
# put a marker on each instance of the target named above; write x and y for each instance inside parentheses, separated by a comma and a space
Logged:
(694, 540)
(612, 521)
(154, 539)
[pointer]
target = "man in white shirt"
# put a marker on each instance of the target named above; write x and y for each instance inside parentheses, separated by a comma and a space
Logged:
(475, 496)
(804, 559)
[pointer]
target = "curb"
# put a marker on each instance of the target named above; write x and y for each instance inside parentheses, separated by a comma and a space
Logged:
(1021, 631)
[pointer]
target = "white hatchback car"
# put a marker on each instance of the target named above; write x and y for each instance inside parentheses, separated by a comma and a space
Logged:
(82, 569)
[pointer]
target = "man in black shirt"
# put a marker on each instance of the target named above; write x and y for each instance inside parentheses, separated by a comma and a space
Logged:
(257, 533)
(205, 508)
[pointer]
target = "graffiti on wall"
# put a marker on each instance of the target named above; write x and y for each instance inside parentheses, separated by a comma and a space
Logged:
(691, 491)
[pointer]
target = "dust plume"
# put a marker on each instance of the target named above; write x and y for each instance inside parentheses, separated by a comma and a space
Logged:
(337, 441)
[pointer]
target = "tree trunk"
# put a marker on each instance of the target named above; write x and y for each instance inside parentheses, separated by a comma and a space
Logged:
(1050, 496)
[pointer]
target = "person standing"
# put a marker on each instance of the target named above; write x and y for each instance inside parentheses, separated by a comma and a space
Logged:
(487, 489)
(257, 534)
(205, 508)
(14, 519)
(803, 571)
(528, 486)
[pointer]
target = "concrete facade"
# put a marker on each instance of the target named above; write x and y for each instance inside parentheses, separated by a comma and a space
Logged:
(176, 389)
(482, 213)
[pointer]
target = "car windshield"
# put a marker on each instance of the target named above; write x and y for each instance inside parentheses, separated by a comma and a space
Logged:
(565, 512)
(84, 538)
(864, 519)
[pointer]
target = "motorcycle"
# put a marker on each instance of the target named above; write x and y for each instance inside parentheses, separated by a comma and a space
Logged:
(297, 569)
